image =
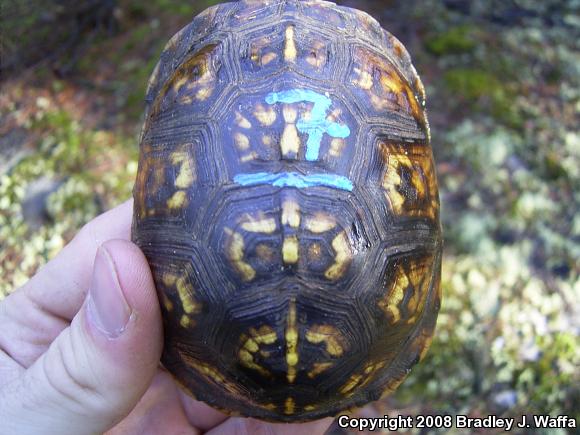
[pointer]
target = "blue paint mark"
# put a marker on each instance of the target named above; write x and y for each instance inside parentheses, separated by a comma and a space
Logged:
(294, 179)
(317, 125)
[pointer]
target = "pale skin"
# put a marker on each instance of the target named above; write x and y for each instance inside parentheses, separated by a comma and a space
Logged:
(80, 345)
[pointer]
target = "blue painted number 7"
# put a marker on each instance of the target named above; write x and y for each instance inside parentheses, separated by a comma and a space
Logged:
(317, 125)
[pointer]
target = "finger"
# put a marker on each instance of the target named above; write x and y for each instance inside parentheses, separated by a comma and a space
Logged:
(9, 369)
(199, 414)
(249, 426)
(33, 316)
(158, 412)
(97, 369)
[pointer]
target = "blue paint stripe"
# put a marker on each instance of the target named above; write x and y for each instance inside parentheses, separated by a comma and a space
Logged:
(294, 179)
(317, 125)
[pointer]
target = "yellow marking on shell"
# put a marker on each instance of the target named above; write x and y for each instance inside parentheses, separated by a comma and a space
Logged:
(334, 115)
(186, 175)
(290, 113)
(289, 406)
(269, 406)
(247, 360)
(186, 321)
(268, 57)
(290, 250)
(291, 213)
(265, 116)
(242, 121)
(365, 79)
(255, 55)
(420, 277)
(372, 368)
(328, 335)
(391, 181)
(178, 200)
(204, 93)
(336, 147)
(211, 372)
(267, 140)
(208, 371)
(290, 51)
(352, 382)
(417, 161)
(166, 302)
(265, 335)
(419, 85)
(169, 279)
(185, 291)
(248, 157)
(342, 259)
(309, 408)
(426, 345)
(188, 304)
(319, 368)
(314, 251)
(179, 83)
(260, 224)
(291, 337)
(242, 141)
(290, 142)
(186, 100)
(251, 345)
(361, 380)
(235, 251)
(392, 82)
(320, 223)
(381, 103)
(264, 252)
(414, 103)
(317, 56)
(390, 302)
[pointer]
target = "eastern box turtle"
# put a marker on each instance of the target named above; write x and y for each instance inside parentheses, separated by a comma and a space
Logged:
(287, 203)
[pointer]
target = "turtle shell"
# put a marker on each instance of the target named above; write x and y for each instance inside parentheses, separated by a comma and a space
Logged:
(287, 202)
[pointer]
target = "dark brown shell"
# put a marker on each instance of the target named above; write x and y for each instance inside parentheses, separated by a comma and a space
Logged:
(287, 202)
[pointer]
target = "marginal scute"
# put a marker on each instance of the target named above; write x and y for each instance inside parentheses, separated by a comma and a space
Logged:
(409, 179)
(382, 87)
(359, 380)
(408, 290)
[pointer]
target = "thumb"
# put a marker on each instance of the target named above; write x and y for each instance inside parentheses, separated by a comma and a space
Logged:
(98, 368)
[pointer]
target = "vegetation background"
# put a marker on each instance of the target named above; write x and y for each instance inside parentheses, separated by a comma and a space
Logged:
(502, 80)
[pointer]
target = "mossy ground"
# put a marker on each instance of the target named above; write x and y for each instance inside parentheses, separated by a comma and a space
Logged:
(503, 96)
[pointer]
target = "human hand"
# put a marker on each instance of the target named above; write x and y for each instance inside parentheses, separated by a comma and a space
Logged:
(80, 345)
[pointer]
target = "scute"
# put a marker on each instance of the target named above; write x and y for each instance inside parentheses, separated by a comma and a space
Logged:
(287, 203)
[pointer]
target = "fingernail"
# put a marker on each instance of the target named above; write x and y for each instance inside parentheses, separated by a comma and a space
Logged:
(107, 306)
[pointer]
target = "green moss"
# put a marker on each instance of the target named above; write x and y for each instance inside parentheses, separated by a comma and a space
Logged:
(173, 7)
(135, 103)
(460, 39)
(472, 84)
(482, 88)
